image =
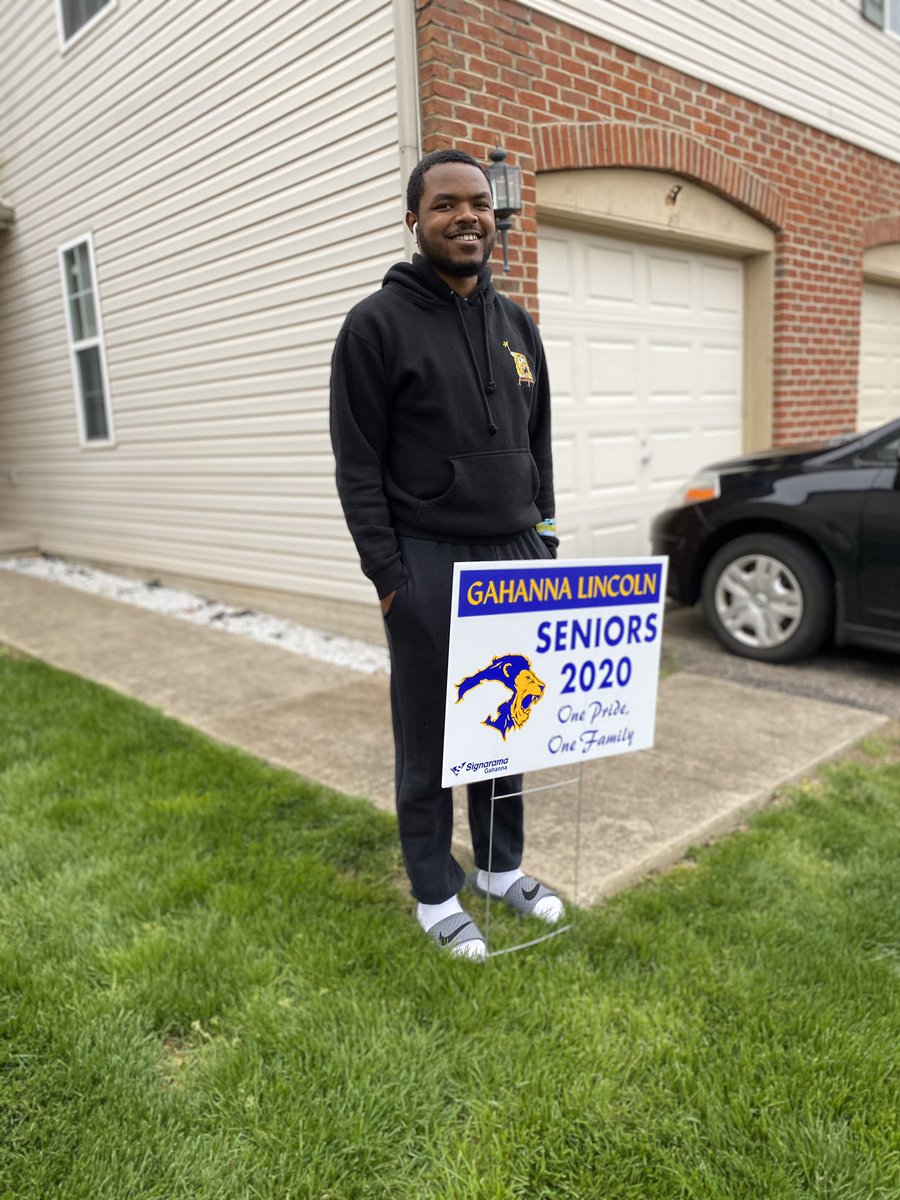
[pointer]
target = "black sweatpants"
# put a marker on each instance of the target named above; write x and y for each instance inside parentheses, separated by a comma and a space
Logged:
(418, 632)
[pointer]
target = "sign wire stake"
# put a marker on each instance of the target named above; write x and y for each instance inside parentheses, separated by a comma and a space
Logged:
(577, 843)
(487, 899)
(577, 871)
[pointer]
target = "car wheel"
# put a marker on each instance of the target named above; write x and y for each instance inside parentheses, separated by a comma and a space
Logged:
(768, 597)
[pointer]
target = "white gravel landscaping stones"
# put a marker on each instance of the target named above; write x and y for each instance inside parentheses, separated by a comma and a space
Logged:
(260, 627)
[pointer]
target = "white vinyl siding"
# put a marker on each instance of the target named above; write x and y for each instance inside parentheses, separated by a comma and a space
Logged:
(818, 61)
(239, 166)
(85, 325)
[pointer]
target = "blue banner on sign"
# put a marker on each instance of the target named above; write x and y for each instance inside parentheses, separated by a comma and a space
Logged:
(486, 590)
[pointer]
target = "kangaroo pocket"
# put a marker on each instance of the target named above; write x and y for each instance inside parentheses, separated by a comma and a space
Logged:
(492, 494)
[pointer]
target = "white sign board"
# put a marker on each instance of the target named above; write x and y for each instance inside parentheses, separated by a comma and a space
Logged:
(551, 663)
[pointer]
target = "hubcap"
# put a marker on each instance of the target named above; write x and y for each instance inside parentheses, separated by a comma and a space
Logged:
(759, 601)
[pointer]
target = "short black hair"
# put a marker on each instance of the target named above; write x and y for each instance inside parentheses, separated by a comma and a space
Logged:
(416, 184)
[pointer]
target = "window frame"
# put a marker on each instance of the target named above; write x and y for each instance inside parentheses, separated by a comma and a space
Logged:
(98, 340)
(879, 14)
(82, 30)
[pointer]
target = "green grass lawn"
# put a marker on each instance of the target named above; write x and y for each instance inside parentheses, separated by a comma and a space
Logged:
(211, 986)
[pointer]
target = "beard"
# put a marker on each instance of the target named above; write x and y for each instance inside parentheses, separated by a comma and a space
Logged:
(449, 266)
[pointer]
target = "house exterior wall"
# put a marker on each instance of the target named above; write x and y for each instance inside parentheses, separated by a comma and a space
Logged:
(820, 63)
(239, 170)
(559, 97)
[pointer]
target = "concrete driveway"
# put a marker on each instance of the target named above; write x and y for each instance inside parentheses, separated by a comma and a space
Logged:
(858, 678)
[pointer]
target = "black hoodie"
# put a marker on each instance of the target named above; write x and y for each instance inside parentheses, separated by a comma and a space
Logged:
(440, 418)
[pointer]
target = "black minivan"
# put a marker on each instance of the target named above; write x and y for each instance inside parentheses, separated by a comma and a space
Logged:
(790, 545)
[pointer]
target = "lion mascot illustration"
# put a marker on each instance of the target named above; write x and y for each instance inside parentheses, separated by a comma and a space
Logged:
(515, 673)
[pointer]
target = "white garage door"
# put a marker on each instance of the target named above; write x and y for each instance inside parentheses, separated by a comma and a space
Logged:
(879, 358)
(644, 348)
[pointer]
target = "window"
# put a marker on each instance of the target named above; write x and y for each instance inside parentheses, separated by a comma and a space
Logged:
(883, 13)
(75, 15)
(884, 452)
(86, 341)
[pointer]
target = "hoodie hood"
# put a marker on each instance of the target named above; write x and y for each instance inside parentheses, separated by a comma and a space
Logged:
(423, 284)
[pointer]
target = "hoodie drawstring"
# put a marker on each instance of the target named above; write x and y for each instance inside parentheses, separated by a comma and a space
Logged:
(490, 387)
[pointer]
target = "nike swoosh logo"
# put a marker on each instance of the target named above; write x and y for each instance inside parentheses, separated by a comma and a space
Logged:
(530, 895)
(447, 938)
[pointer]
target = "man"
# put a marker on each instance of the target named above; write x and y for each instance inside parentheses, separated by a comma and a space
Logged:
(440, 422)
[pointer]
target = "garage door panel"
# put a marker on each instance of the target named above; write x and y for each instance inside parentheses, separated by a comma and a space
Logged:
(616, 527)
(719, 443)
(671, 371)
(556, 269)
(877, 370)
(878, 303)
(612, 369)
(610, 278)
(646, 344)
(879, 367)
(720, 373)
(565, 469)
(560, 355)
(612, 539)
(614, 464)
(669, 285)
(665, 459)
(721, 290)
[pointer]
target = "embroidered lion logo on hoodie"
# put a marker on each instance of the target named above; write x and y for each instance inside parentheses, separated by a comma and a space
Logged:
(515, 673)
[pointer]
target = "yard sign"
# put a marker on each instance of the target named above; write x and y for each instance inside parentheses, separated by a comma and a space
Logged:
(551, 663)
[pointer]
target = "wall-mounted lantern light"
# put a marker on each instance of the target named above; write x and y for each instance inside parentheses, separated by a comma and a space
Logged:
(506, 194)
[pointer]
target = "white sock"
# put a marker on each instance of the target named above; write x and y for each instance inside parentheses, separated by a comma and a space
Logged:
(501, 881)
(428, 915)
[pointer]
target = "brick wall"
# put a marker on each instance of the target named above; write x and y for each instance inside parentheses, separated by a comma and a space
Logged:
(494, 72)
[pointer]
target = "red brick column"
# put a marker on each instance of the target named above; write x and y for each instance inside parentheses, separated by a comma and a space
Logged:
(556, 97)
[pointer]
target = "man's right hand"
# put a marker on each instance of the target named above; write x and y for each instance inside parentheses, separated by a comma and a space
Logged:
(386, 602)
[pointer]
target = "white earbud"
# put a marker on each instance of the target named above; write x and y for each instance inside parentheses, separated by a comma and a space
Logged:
(415, 230)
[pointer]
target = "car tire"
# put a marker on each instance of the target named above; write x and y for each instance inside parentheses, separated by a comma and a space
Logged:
(768, 597)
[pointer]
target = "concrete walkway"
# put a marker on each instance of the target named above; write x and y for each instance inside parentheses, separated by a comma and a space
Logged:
(722, 748)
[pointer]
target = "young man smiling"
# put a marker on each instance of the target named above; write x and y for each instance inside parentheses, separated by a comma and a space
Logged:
(440, 422)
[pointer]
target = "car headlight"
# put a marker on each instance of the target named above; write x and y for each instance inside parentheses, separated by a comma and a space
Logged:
(704, 485)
